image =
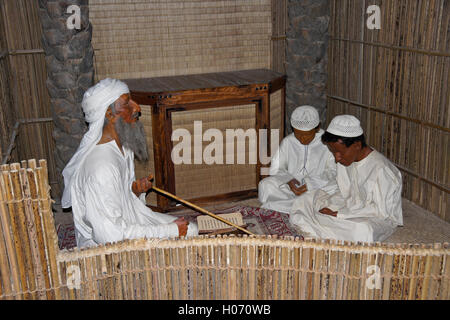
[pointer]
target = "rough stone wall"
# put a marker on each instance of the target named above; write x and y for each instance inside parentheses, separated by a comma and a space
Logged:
(69, 60)
(306, 56)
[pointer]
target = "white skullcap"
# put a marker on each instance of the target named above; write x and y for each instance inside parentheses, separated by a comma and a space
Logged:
(96, 101)
(97, 98)
(305, 118)
(345, 126)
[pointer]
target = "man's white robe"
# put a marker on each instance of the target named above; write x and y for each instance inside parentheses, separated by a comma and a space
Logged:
(104, 207)
(312, 164)
(368, 203)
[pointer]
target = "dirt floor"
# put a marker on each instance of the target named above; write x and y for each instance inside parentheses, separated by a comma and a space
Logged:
(420, 226)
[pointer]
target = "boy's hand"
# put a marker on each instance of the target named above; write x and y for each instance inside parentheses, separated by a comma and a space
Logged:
(328, 212)
(296, 188)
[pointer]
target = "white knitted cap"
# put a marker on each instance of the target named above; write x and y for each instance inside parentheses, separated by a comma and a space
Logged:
(305, 118)
(345, 126)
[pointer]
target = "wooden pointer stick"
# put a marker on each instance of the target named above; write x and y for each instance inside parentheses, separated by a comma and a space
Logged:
(202, 210)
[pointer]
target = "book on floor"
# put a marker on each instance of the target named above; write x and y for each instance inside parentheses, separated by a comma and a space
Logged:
(210, 225)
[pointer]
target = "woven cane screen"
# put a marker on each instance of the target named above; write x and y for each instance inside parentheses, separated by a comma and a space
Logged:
(202, 180)
(137, 39)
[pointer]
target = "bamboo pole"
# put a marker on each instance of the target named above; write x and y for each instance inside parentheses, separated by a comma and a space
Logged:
(6, 286)
(272, 258)
(340, 276)
(232, 274)
(211, 273)
(14, 254)
(425, 294)
(284, 288)
(252, 272)
(90, 294)
(175, 274)
(201, 210)
(324, 271)
(16, 232)
(333, 277)
(148, 276)
(224, 294)
(315, 278)
(304, 289)
(445, 287)
(184, 273)
(35, 249)
(49, 225)
(245, 272)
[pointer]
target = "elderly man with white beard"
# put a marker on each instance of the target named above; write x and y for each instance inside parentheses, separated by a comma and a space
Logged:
(107, 201)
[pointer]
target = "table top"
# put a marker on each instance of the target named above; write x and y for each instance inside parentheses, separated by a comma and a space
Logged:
(202, 81)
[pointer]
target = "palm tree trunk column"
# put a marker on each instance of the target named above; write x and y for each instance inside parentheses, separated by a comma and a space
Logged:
(70, 72)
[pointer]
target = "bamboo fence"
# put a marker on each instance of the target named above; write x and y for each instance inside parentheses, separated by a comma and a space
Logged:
(395, 80)
(25, 116)
(220, 267)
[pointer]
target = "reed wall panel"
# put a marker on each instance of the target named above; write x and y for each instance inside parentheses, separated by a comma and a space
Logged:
(137, 39)
(7, 118)
(395, 80)
(27, 74)
(279, 27)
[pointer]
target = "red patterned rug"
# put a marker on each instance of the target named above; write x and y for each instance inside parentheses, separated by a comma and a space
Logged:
(264, 221)
(259, 221)
(66, 236)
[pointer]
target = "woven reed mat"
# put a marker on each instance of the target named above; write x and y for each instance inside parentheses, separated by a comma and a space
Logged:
(259, 221)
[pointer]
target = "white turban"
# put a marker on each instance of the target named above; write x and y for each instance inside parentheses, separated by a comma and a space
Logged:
(345, 126)
(96, 101)
(305, 118)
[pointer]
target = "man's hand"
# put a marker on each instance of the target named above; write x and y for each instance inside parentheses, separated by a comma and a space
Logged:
(142, 185)
(296, 188)
(182, 226)
(329, 212)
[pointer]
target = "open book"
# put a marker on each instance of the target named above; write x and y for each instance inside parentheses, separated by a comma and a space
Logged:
(210, 225)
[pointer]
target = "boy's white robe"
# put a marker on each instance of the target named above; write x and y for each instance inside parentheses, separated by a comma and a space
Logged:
(104, 207)
(368, 203)
(288, 162)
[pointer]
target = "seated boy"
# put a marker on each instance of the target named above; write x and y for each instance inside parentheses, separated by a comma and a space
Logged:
(367, 206)
(301, 163)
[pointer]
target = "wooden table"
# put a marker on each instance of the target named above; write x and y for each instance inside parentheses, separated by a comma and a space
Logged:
(167, 95)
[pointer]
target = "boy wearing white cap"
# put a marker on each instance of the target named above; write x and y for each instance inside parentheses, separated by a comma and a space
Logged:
(301, 163)
(367, 206)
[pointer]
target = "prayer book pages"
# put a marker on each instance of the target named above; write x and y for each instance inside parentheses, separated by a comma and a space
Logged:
(207, 224)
